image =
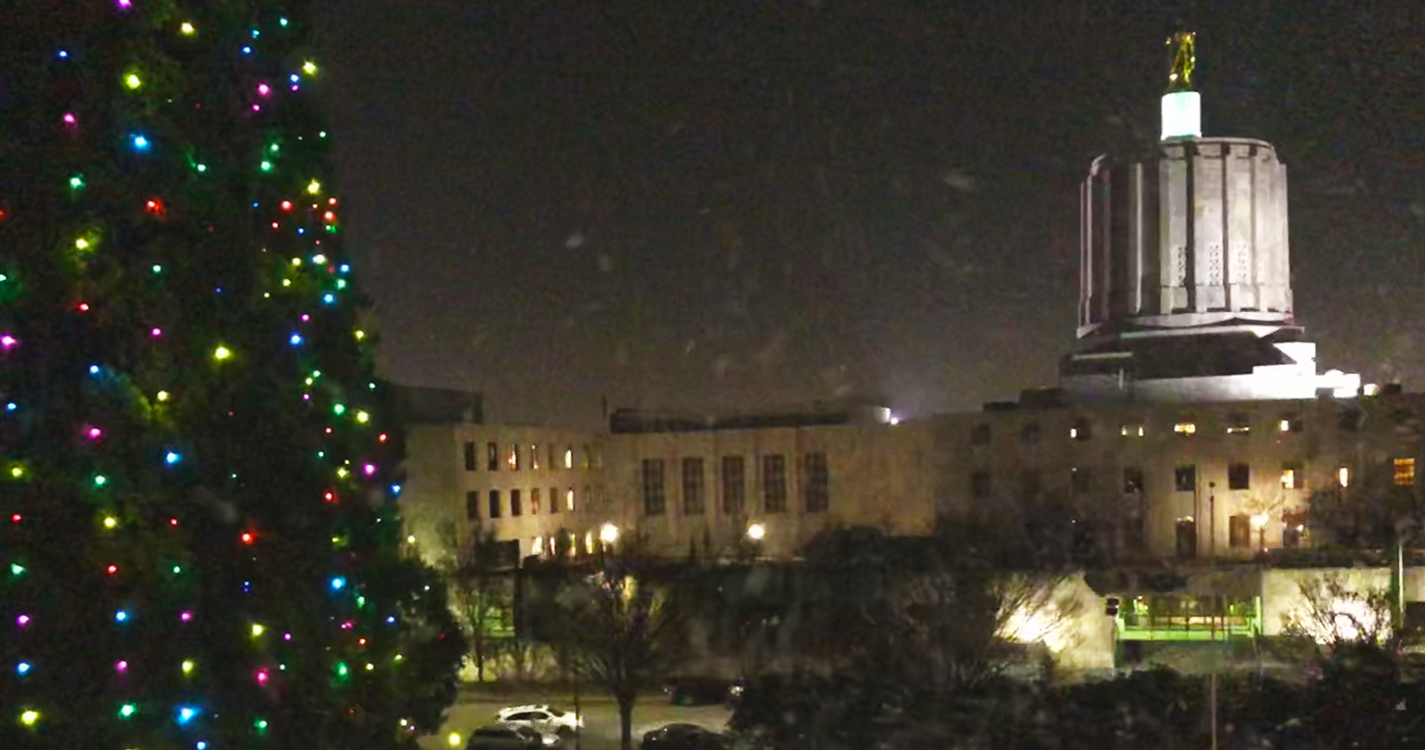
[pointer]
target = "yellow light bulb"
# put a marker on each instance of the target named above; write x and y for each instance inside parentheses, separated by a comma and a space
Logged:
(161, 395)
(360, 335)
(310, 68)
(222, 352)
(188, 666)
(82, 243)
(133, 81)
(257, 630)
(187, 29)
(17, 472)
(342, 473)
(28, 718)
(363, 417)
(314, 187)
(111, 522)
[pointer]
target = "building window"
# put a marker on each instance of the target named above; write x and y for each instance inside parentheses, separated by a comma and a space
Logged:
(494, 503)
(1404, 472)
(534, 502)
(593, 500)
(513, 459)
(1029, 433)
(1132, 479)
(980, 484)
(1185, 478)
(1186, 542)
(653, 487)
(584, 457)
(472, 505)
(1185, 428)
(693, 486)
(1082, 429)
(492, 456)
(774, 483)
(568, 456)
(1082, 479)
(597, 459)
(1293, 478)
(553, 499)
(1131, 430)
(569, 499)
(1343, 477)
(1290, 423)
(470, 463)
(1291, 536)
(534, 457)
(536, 546)
(552, 464)
(980, 434)
(733, 485)
(1133, 537)
(1029, 484)
(515, 507)
(1238, 424)
(1239, 477)
(1239, 532)
(816, 485)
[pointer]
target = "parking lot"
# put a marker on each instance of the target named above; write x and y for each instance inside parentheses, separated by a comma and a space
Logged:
(601, 724)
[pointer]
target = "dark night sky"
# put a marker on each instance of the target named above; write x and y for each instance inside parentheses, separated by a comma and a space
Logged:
(734, 204)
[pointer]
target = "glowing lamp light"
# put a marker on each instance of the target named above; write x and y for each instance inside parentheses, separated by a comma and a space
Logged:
(260, 725)
(140, 143)
(756, 532)
(608, 533)
(410, 539)
(338, 583)
(453, 739)
(161, 396)
(186, 714)
(133, 81)
(29, 717)
(221, 353)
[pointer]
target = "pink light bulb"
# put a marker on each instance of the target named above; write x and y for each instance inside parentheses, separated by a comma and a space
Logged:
(306, 397)
(348, 625)
(156, 332)
(306, 317)
(263, 89)
(286, 636)
(256, 108)
(186, 617)
(261, 676)
(7, 341)
(22, 620)
(370, 469)
(70, 119)
(121, 666)
(125, 4)
(95, 433)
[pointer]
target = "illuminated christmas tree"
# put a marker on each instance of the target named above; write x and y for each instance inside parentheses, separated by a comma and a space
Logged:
(199, 543)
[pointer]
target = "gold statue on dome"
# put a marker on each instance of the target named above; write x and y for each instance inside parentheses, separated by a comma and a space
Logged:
(1184, 58)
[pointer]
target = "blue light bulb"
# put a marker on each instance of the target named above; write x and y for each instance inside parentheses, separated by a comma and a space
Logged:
(171, 458)
(329, 298)
(338, 583)
(296, 339)
(93, 369)
(23, 668)
(247, 50)
(11, 406)
(140, 143)
(121, 616)
(186, 714)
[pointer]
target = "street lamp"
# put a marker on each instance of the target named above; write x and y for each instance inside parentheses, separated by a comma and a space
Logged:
(756, 531)
(1259, 521)
(608, 534)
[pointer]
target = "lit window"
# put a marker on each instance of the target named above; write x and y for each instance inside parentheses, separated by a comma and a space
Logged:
(1131, 430)
(1284, 425)
(569, 457)
(1185, 428)
(534, 457)
(1343, 477)
(513, 459)
(569, 499)
(1404, 472)
(536, 546)
(1081, 430)
(1238, 424)
(589, 542)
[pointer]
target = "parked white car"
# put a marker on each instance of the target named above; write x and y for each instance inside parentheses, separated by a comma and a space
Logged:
(542, 718)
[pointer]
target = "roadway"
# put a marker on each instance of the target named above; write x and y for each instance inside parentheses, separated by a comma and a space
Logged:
(601, 725)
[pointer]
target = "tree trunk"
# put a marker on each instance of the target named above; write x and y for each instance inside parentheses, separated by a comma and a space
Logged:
(625, 719)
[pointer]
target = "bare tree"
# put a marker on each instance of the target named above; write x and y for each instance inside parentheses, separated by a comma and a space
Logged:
(480, 593)
(621, 628)
(1336, 613)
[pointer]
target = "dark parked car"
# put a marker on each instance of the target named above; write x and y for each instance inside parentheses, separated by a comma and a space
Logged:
(504, 737)
(683, 737)
(693, 691)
